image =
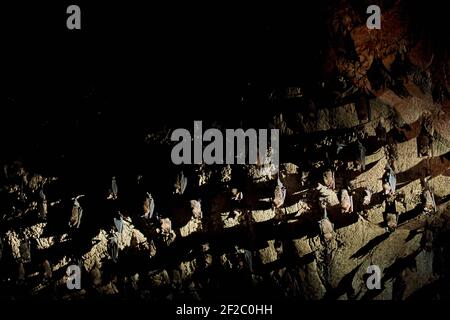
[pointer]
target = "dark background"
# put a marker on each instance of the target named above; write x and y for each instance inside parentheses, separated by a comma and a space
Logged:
(86, 98)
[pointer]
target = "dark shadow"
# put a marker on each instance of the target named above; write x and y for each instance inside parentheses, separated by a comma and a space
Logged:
(412, 234)
(262, 205)
(411, 214)
(427, 167)
(344, 286)
(428, 292)
(289, 262)
(292, 199)
(399, 265)
(370, 246)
